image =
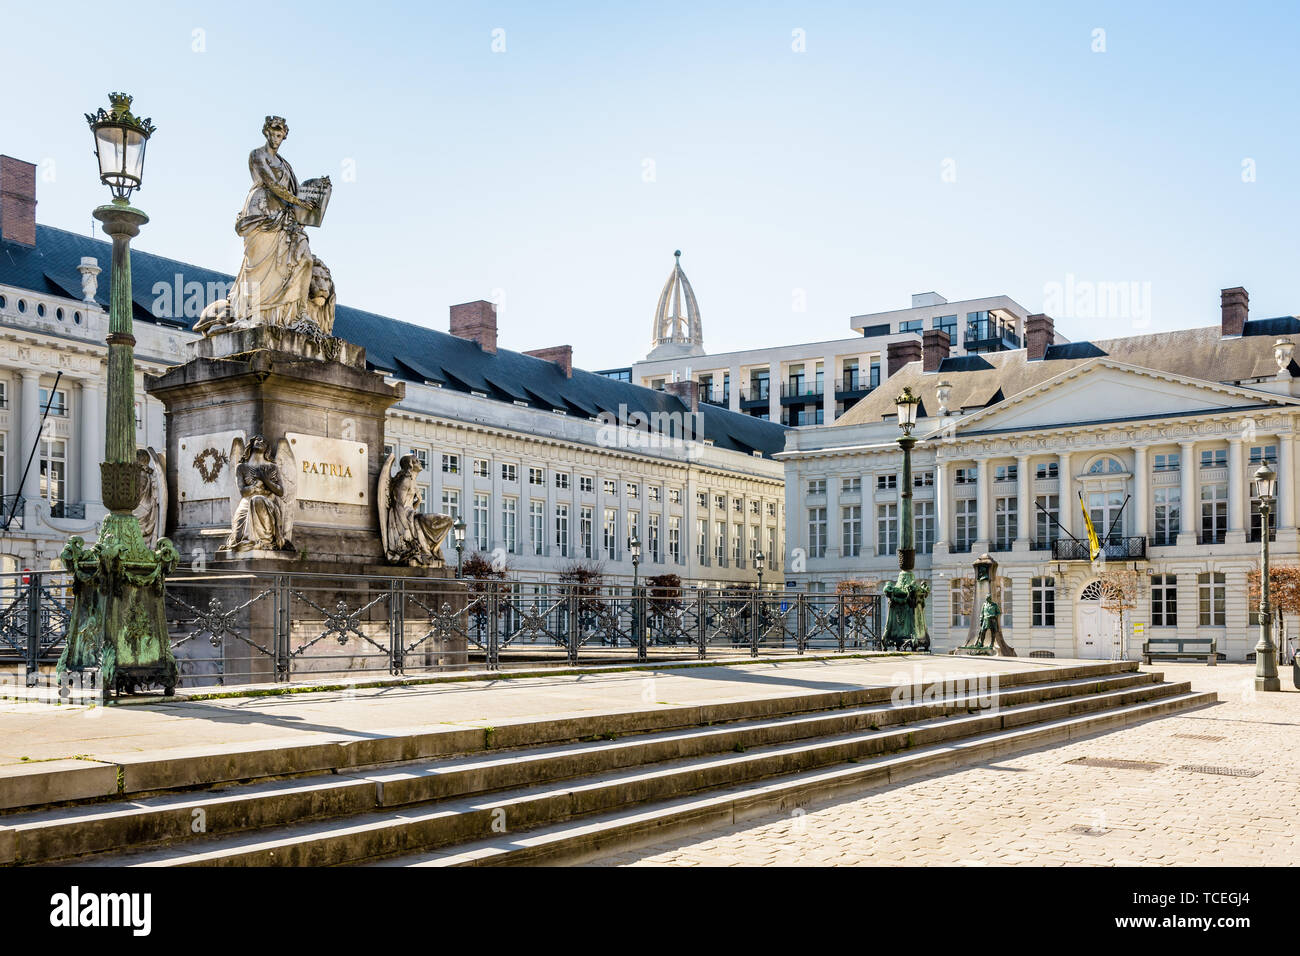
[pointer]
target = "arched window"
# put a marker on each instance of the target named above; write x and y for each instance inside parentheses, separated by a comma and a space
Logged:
(1092, 592)
(1106, 466)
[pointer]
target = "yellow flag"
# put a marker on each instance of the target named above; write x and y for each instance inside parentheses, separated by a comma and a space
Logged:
(1094, 543)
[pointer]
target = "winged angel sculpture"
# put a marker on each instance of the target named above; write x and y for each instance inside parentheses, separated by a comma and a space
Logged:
(410, 537)
(151, 512)
(263, 500)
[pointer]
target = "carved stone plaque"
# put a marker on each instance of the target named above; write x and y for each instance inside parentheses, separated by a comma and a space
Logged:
(330, 469)
(204, 470)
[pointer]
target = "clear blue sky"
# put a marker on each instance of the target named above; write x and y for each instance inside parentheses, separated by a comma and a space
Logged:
(774, 170)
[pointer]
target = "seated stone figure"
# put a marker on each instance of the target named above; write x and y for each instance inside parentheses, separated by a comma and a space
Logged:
(410, 537)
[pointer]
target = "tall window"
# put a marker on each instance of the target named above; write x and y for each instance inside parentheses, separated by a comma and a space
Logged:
(1002, 595)
(1215, 458)
(1164, 600)
(611, 531)
(562, 530)
(964, 525)
(482, 468)
(887, 528)
(1104, 508)
(451, 502)
(562, 480)
(1042, 599)
(1166, 512)
(1047, 513)
(586, 530)
(851, 531)
(738, 544)
(816, 532)
(1004, 523)
(481, 505)
(923, 526)
(1213, 589)
(58, 402)
(773, 556)
(1214, 512)
(54, 467)
(720, 543)
(451, 464)
(701, 541)
(509, 472)
(753, 541)
(510, 524)
(537, 525)
(536, 476)
(1263, 453)
(652, 537)
(1047, 469)
(675, 539)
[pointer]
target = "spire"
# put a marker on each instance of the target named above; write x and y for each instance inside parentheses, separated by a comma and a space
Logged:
(677, 328)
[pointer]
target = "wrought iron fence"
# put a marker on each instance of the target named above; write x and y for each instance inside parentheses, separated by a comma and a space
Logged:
(239, 628)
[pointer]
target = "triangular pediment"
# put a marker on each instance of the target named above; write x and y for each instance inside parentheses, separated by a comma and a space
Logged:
(1106, 391)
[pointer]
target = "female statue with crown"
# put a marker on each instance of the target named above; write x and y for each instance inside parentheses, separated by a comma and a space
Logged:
(274, 285)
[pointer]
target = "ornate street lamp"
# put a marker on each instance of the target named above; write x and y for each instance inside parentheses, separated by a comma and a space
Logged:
(1264, 487)
(458, 529)
(118, 625)
(634, 549)
(905, 627)
(760, 559)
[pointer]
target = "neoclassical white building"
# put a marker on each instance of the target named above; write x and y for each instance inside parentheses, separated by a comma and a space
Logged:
(547, 463)
(1160, 435)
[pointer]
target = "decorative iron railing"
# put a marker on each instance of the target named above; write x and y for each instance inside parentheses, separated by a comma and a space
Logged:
(240, 628)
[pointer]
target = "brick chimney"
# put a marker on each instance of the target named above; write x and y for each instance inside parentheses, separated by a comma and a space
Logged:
(1040, 332)
(900, 353)
(476, 321)
(1235, 304)
(17, 201)
(688, 390)
(561, 355)
(934, 348)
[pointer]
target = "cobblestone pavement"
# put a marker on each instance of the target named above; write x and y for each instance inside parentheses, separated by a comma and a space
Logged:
(1037, 808)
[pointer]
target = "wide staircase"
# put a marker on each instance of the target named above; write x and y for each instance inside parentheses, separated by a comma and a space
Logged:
(559, 790)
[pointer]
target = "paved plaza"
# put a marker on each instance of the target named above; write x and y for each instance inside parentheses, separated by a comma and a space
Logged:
(1041, 808)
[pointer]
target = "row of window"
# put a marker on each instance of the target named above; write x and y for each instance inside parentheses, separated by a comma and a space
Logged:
(1211, 586)
(661, 539)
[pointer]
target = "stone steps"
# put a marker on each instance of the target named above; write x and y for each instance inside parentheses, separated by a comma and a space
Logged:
(359, 815)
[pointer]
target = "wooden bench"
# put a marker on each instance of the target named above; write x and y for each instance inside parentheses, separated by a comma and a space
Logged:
(1174, 648)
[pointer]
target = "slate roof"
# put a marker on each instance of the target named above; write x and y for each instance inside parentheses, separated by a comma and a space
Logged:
(400, 349)
(979, 381)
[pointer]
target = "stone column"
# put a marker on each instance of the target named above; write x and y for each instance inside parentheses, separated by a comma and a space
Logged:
(733, 400)
(1024, 502)
(1065, 494)
(834, 522)
(29, 411)
(1286, 489)
(983, 503)
(92, 444)
(1141, 491)
(1187, 486)
(828, 385)
(1236, 492)
(941, 494)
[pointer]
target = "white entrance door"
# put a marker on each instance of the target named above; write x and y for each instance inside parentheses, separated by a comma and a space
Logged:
(1095, 628)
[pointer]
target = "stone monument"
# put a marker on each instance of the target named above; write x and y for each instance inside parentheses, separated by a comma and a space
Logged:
(275, 427)
(984, 637)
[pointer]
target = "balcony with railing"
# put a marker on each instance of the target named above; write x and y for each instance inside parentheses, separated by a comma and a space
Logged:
(989, 333)
(798, 390)
(756, 396)
(854, 385)
(1113, 548)
(715, 396)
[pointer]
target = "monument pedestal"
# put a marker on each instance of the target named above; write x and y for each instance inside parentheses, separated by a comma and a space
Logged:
(326, 603)
(313, 391)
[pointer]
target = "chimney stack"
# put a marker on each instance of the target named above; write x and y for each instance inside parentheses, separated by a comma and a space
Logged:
(688, 390)
(899, 354)
(1235, 304)
(1040, 332)
(934, 349)
(17, 201)
(561, 355)
(476, 321)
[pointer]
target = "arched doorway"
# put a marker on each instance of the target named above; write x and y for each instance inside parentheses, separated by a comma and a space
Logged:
(1096, 629)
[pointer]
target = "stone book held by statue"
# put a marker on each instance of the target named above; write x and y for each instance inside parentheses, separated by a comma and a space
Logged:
(317, 192)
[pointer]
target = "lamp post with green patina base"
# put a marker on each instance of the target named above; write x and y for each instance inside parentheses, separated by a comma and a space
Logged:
(905, 626)
(1265, 489)
(118, 626)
